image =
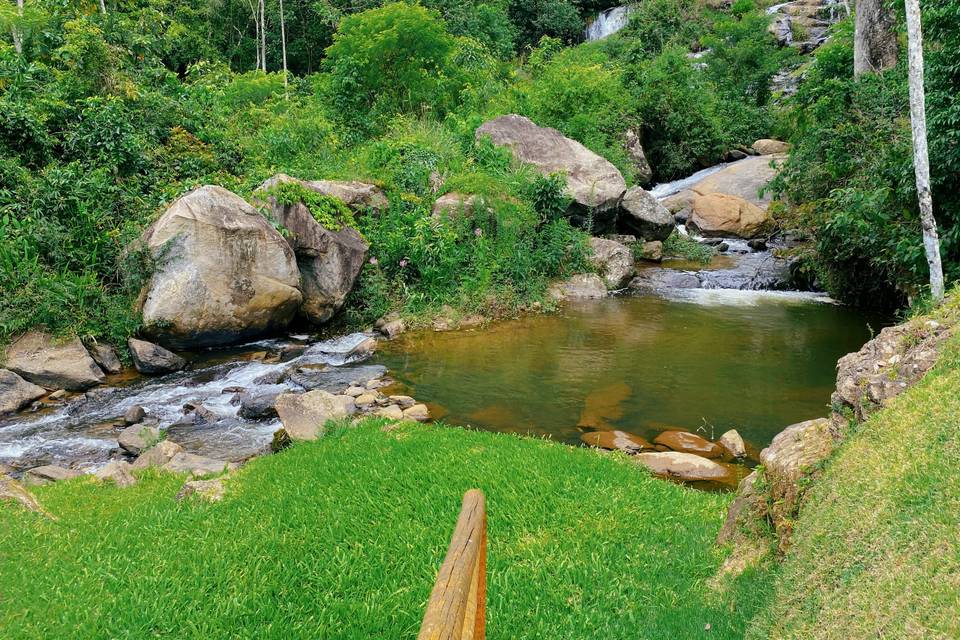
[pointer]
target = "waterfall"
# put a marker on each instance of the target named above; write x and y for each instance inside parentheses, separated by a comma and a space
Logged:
(607, 23)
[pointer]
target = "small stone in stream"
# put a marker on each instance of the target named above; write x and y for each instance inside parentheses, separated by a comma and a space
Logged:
(16, 393)
(57, 395)
(281, 440)
(233, 390)
(687, 442)
(393, 412)
(134, 414)
(405, 402)
(733, 443)
(365, 399)
(118, 472)
(355, 391)
(376, 383)
(616, 441)
(49, 473)
(757, 244)
(391, 326)
(137, 438)
(157, 455)
(582, 286)
(722, 247)
(106, 357)
(258, 407)
(209, 490)
(418, 412)
(305, 415)
(652, 251)
(197, 465)
(687, 467)
(152, 359)
(711, 242)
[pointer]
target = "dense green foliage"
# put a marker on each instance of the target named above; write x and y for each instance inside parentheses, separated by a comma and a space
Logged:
(851, 170)
(875, 551)
(342, 538)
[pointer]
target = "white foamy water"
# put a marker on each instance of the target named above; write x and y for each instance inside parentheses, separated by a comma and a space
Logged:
(666, 189)
(69, 434)
(607, 23)
(745, 298)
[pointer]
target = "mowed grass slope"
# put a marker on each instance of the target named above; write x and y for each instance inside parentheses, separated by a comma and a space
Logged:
(877, 546)
(342, 538)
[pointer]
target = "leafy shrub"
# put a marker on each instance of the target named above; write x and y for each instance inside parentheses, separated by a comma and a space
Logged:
(330, 212)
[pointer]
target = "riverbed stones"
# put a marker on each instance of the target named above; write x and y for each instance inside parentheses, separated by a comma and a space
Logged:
(137, 438)
(365, 399)
(118, 472)
(134, 414)
(595, 185)
(223, 273)
(721, 214)
(45, 361)
(686, 466)
(687, 442)
(404, 402)
(417, 412)
(157, 455)
(16, 393)
(258, 406)
(583, 286)
(393, 412)
(329, 259)
(48, 474)
(193, 464)
(211, 490)
(106, 357)
(615, 440)
(305, 415)
(613, 260)
(642, 215)
(391, 326)
(152, 359)
(733, 444)
(769, 146)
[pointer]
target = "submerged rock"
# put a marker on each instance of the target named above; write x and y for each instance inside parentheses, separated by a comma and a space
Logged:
(329, 260)
(16, 393)
(687, 442)
(305, 415)
(642, 215)
(41, 359)
(583, 286)
(153, 359)
(687, 467)
(614, 261)
(224, 274)
(592, 181)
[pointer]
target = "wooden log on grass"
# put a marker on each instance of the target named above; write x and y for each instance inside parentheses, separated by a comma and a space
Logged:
(457, 606)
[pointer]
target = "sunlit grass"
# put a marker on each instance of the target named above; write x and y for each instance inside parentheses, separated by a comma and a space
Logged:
(342, 538)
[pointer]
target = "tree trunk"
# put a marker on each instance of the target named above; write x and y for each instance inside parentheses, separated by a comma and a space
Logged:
(263, 35)
(283, 45)
(921, 161)
(15, 30)
(874, 39)
(103, 7)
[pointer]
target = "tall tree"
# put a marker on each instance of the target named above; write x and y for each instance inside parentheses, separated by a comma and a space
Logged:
(283, 46)
(921, 161)
(263, 35)
(16, 29)
(874, 39)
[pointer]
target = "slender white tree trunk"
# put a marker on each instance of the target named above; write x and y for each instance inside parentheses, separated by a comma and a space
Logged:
(15, 31)
(921, 160)
(103, 7)
(283, 45)
(263, 35)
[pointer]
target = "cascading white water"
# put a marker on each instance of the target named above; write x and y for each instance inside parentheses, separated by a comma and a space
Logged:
(607, 23)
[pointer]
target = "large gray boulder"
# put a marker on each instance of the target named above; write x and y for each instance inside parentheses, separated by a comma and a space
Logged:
(643, 216)
(593, 182)
(614, 261)
(744, 179)
(16, 393)
(41, 359)
(224, 274)
(329, 261)
(724, 215)
(304, 415)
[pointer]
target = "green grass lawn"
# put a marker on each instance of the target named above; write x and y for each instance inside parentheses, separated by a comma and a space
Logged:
(877, 545)
(342, 538)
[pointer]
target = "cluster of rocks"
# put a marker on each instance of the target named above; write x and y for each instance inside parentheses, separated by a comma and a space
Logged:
(867, 380)
(678, 455)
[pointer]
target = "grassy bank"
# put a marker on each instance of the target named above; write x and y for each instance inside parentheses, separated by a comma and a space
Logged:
(341, 538)
(877, 547)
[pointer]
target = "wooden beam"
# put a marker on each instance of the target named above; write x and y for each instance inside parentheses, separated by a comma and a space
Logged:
(456, 609)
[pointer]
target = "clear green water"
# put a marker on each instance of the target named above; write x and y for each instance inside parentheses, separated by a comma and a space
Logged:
(754, 362)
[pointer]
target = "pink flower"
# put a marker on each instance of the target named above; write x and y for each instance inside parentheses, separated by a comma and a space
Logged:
(403, 263)
(373, 260)
(477, 232)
